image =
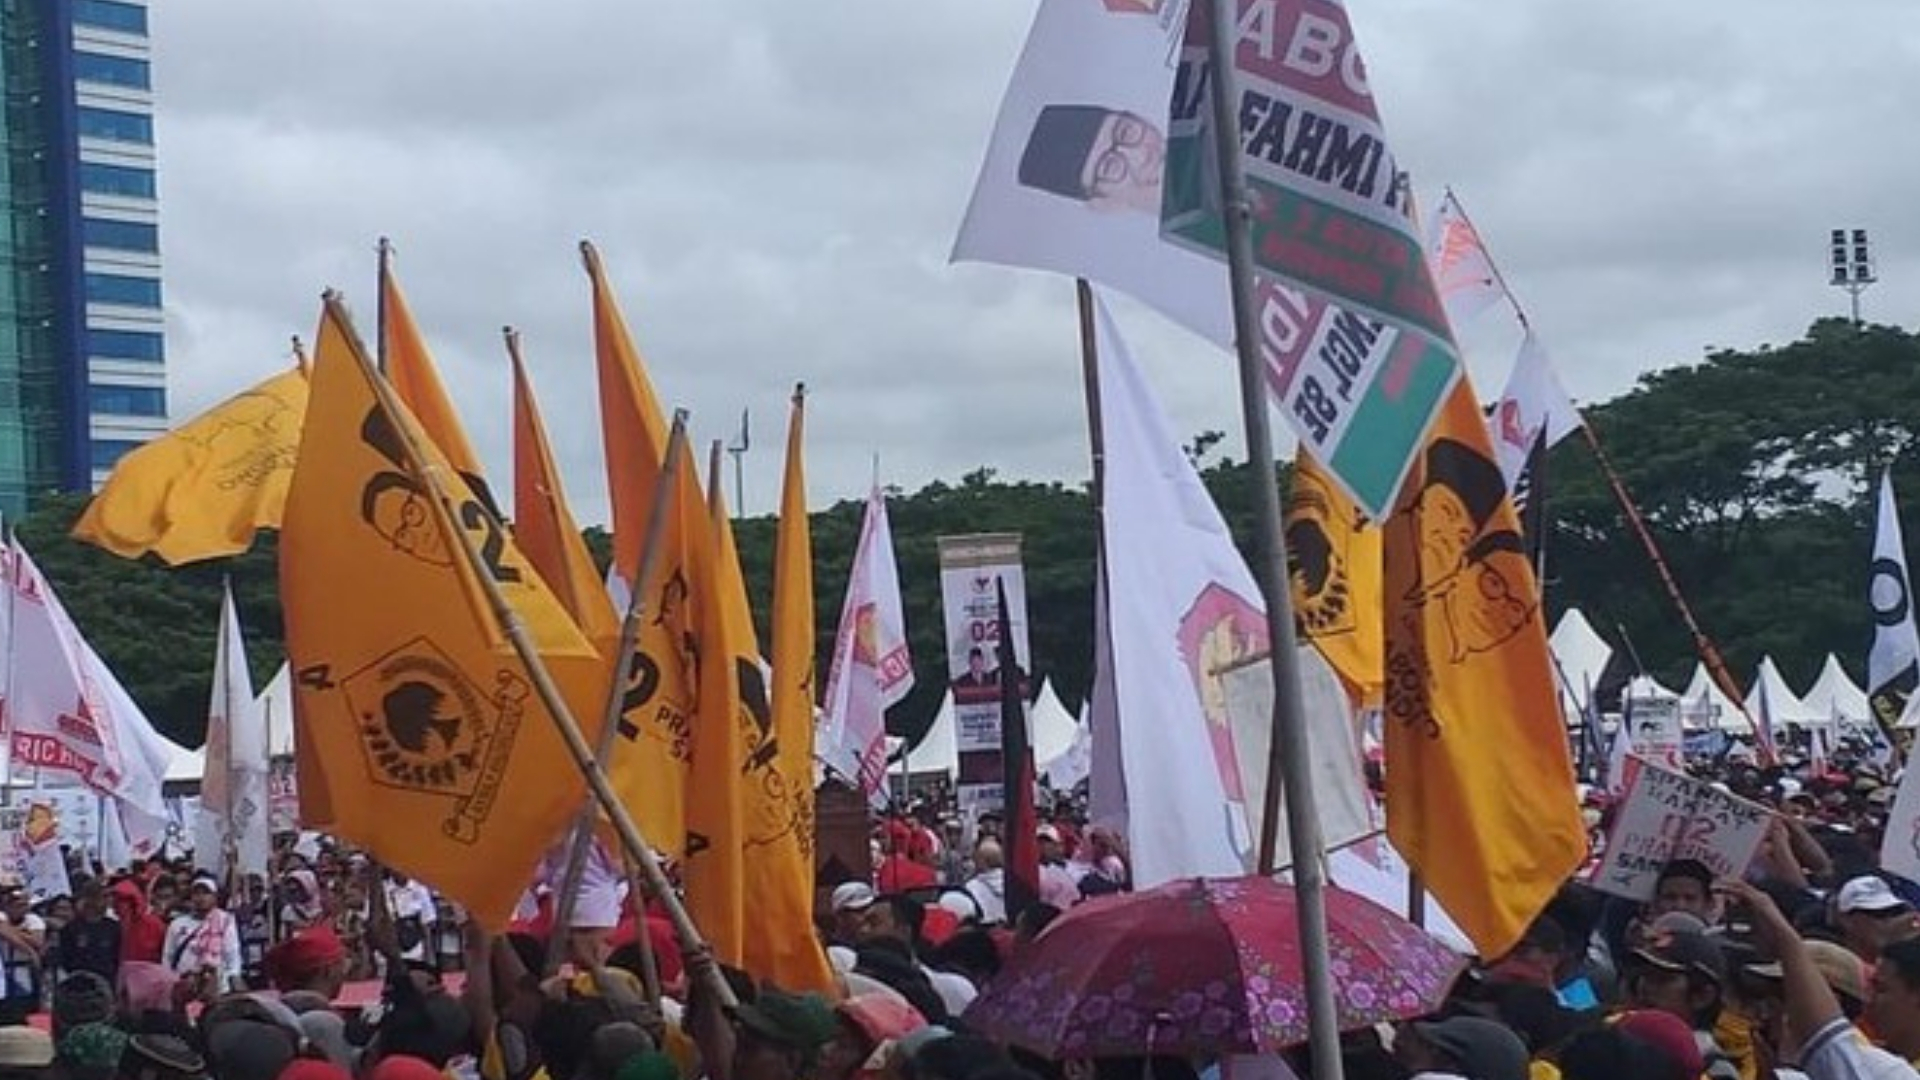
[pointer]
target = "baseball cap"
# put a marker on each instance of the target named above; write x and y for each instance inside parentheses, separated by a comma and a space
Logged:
(1484, 1049)
(1668, 1034)
(853, 896)
(203, 881)
(1047, 832)
(801, 1021)
(1695, 954)
(1845, 973)
(1868, 894)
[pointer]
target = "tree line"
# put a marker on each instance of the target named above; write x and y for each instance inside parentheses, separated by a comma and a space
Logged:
(1755, 471)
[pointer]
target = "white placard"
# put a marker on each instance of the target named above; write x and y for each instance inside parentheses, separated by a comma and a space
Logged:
(1666, 816)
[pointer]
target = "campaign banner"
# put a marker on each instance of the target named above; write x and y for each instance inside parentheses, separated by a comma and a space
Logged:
(1332, 218)
(283, 797)
(1072, 183)
(1656, 734)
(30, 838)
(970, 568)
(1667, 815)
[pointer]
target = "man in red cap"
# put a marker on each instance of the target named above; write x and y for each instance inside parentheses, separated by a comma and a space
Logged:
(311, 962)
(899, 871)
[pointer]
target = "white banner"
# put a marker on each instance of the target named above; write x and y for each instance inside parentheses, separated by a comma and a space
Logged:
(970, 568)
(1668, 815)
(871, 668)
(1656, 734)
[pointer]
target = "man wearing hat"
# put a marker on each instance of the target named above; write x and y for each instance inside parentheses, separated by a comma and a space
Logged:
(1461, 1048)
(779, 1036)
(204, 943)
(1871, 916)
(1683, 974)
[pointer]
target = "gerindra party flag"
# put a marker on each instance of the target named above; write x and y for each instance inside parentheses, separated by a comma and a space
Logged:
(203, 489)
(419, 733)
(1480, 796)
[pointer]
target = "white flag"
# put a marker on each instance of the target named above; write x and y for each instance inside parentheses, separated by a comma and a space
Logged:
(871, 668)
(233, 789)
(1462, 269)
(1186, 607)
(1533, 406)
(1893, 666)
(64, 710)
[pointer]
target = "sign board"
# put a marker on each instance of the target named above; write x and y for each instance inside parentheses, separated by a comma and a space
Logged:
(971, 570)
(1667, 815)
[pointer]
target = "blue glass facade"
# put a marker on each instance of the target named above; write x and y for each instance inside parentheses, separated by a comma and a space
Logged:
(82, 337)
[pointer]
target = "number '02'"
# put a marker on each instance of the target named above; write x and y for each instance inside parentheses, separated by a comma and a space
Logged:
(475, 516)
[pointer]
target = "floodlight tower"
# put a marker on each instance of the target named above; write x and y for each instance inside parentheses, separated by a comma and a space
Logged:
(1851, 262)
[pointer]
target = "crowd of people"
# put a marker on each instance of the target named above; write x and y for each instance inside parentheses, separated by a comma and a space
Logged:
(1809, 965)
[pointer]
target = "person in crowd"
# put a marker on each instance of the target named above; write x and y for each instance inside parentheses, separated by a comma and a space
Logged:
(23, 944)
(866, 1023)
(1684, 885)
(1461, 1048)
(414, 917)
(1684, 975)
(898, 920)
(302, 903)
(1893, 1004)
(1871, 916)
(90, 941)
(203, 945)
(988, 886)
(143, 931)
(781, 1036)
(900, 870)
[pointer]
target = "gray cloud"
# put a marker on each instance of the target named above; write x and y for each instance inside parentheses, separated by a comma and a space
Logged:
(775, 187)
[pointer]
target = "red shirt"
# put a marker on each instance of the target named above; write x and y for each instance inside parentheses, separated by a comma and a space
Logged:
(900, 874)
(142, 937)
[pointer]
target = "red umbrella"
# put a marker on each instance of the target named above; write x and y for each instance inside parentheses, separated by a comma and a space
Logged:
(1205, 966)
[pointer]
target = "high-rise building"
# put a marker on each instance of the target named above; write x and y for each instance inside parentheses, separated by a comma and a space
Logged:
(82, 343)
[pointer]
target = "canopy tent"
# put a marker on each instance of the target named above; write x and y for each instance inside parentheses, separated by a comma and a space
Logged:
(1582, 655)
(1834, 696)
(1705, 706)
(939, 749)
(276, 705)
(184, 766)
(1051, 726)
(1781, 703)
(1643, 687)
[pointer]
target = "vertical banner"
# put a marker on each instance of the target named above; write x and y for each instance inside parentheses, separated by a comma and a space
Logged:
(283, 797)
(1333, 219)
(969, 568)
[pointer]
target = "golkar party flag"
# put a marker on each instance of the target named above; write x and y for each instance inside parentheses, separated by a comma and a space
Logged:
(1333, 566)
(871, 668)
(1479, 786)
(419, 733)
(203, 489)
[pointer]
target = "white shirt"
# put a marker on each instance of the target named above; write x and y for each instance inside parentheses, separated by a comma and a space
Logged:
(1839, 1052)
(413, 901)
(956, 993)
(989, 889)
(182, 948)
(19, 963)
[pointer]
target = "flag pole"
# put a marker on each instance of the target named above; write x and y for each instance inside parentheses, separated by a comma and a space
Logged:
(549, 693)
(582, 836)
(1287, 760)
(385, 248)
(231, 846)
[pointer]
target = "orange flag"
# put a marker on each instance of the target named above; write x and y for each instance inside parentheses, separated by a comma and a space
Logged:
(1480, 795)
(544, 526)
(650, 759)
(732, 742)
(410, 369)
(203, 489)
(1334, 566)
(420, 736)
(780, 809)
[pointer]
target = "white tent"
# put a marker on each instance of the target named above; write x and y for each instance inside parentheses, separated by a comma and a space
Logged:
(1050, 725)
(1835, 697)
(1582, 655)
(276, 703)
(1643, 687)
(184, 765)
(1704, 706)
(1783, 705)
(939, 749)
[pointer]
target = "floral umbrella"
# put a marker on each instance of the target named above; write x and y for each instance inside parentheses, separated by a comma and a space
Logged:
(1205, 966)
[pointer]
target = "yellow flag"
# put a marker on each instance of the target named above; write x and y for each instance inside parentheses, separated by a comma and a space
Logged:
(411, 372)
(731, 733)
(1334, 566)
(650, 758)
(1480, 795)
(780, 810)
(202, 490)
(420, 735)
(545, 529)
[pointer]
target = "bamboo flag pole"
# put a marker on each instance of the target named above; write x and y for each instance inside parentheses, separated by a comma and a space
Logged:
(582, 836)
(543, 684)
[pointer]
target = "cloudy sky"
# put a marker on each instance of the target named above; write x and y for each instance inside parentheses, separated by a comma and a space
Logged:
(776, 186)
